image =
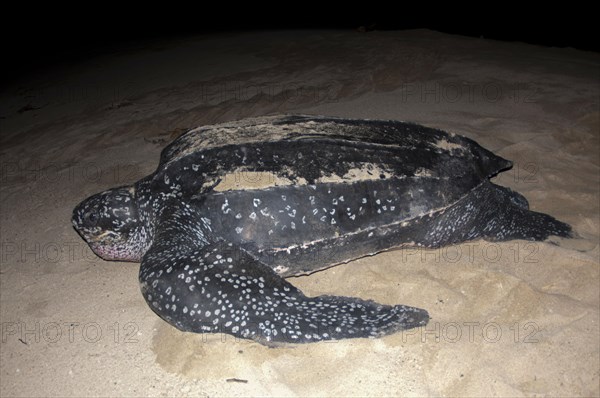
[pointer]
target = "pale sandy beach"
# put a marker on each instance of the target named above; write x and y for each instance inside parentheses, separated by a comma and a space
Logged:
(508, 319)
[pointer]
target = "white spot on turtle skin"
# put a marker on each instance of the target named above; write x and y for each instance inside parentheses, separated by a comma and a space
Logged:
(256, 202)
(283, 197)
(239, 230)
(206, 222)
(225, 207)
(238, 216)
(195, 167)
(252, 216)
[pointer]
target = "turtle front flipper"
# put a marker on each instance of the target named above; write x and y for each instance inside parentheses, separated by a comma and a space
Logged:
(220, 288)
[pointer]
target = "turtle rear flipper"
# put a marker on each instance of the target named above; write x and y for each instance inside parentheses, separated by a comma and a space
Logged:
(220, 288)
(493, 213)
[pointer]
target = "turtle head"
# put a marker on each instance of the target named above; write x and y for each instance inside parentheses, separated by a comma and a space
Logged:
(111, 224)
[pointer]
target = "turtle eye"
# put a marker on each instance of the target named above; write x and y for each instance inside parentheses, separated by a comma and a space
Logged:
(92, 217)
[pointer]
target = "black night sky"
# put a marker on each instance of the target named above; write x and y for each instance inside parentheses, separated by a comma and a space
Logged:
(49, 38)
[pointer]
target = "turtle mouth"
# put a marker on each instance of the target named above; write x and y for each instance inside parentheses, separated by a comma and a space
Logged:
(105, 236)
(93, 236)
(107, 245)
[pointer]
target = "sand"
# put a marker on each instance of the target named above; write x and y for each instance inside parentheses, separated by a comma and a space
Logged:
(508, 319)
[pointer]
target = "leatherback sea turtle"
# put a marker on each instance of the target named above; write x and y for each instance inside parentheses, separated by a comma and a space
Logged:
(234, 208)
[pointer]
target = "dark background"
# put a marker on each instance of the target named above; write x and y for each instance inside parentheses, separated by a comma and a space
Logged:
(37, 39)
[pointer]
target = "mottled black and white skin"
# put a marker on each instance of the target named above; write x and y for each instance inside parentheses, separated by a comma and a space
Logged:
(234, 208)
